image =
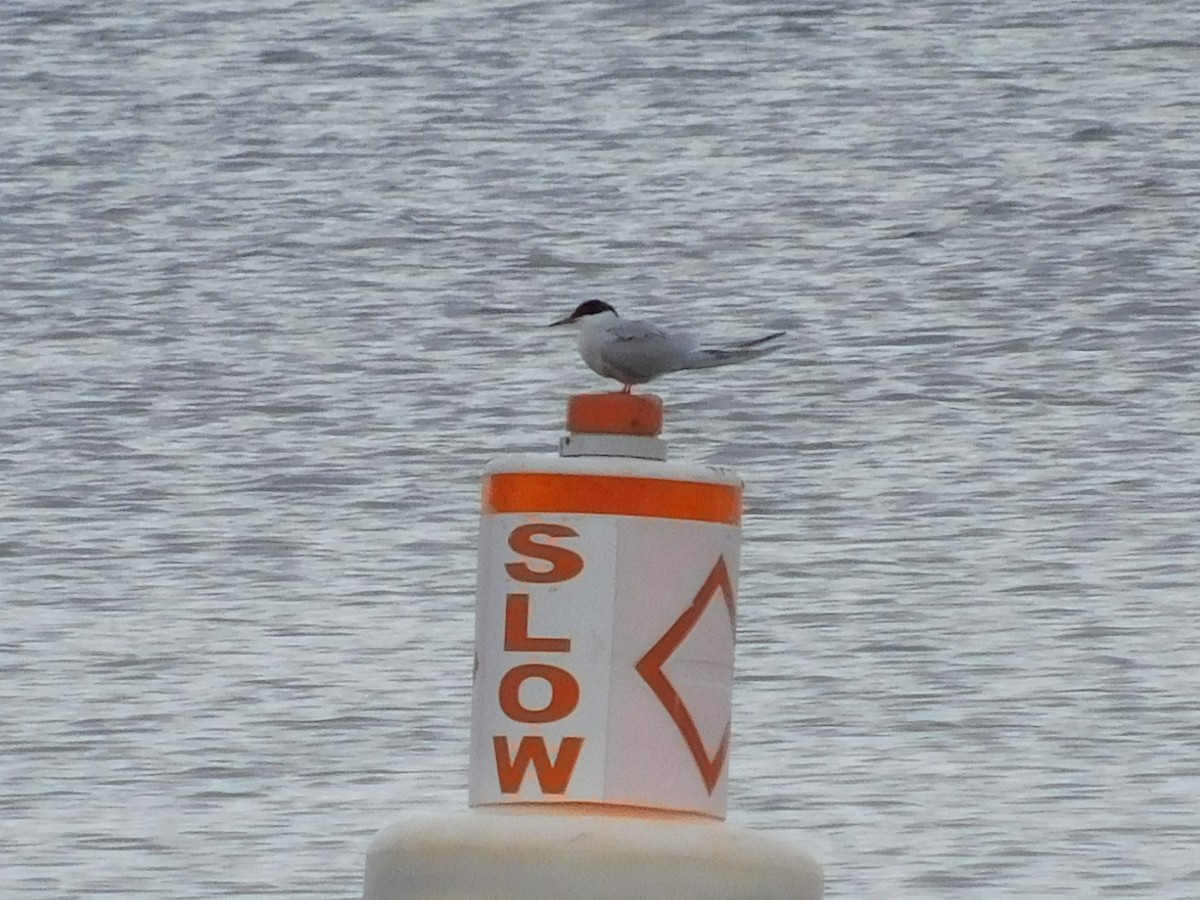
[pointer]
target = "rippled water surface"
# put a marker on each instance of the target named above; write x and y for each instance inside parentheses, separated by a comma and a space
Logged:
(273, 286)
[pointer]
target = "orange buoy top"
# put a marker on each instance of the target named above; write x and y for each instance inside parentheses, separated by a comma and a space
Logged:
(615, 413)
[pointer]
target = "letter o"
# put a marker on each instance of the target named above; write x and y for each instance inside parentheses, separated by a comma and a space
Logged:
(564, 693)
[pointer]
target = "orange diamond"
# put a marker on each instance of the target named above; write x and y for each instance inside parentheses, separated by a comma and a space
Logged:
(650, 668)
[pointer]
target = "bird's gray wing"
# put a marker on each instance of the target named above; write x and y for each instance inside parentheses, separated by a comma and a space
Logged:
(644, 350)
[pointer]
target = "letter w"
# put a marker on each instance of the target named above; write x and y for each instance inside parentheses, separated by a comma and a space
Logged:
(553, 777)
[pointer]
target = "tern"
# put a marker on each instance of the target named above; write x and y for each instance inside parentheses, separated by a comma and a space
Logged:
(634, 352)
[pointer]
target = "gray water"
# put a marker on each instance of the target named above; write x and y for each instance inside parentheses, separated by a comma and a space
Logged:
(273, 277)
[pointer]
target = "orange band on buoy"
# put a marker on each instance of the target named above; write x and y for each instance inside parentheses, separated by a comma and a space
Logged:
(639, 414)
(612, 495)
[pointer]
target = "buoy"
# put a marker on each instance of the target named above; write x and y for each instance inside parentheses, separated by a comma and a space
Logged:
(601, 713)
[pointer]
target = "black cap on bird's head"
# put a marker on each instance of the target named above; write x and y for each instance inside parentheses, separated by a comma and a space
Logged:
(586, 308)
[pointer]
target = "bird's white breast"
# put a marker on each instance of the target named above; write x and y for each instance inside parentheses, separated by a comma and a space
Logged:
(594, 336)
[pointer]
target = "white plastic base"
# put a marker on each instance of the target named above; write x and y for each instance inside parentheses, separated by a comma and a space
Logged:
(629, 446)
(513, 855)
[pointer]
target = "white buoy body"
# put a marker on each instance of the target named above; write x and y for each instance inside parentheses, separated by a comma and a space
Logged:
(605, 634)
(600, 728)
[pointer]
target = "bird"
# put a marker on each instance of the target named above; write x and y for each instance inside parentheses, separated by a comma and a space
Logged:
(633, 351)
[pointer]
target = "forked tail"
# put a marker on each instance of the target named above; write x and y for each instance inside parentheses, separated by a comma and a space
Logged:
(720, 356)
